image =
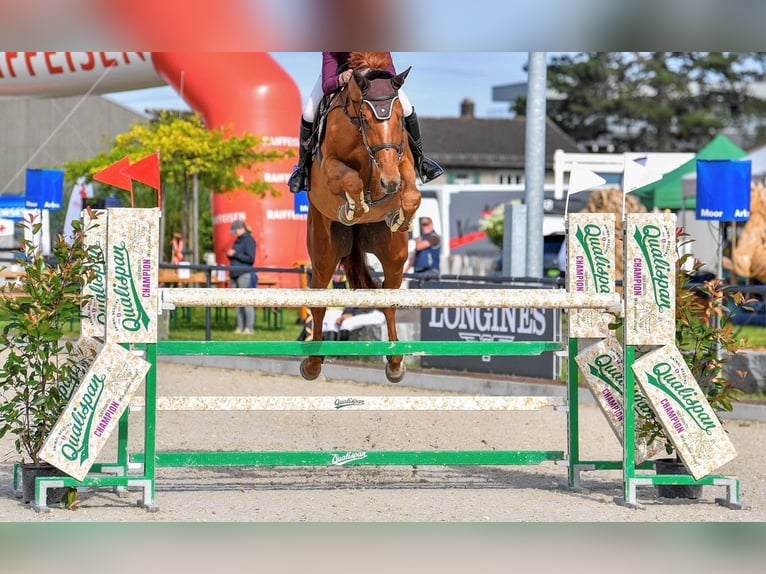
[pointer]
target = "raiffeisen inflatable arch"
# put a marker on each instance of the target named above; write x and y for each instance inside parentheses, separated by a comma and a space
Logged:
(248, 91)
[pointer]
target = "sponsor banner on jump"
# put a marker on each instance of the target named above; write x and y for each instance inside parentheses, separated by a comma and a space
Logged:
(94, 410)
(590, 269)
(93, 322)
(682, 409)
(602, 366)
(132, 294)
(486, 324)
(650, 285)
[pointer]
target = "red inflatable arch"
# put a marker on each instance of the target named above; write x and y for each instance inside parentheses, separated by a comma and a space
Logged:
(248, 91)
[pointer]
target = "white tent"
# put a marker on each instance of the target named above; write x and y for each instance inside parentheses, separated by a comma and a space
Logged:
(758, 159)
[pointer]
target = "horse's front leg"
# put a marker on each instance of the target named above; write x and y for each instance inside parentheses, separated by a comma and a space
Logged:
(345, 181)
(402, 219)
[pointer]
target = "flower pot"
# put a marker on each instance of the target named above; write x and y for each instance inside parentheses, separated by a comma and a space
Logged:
(675, 466)
(29, 472)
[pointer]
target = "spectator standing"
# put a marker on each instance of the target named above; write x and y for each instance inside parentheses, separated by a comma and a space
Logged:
(242, 254)
(425, 260)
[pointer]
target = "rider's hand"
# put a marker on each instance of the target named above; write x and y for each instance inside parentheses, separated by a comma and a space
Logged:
(344, 77)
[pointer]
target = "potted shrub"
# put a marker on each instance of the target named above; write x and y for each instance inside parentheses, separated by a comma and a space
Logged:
(706, 338)
(40, 366)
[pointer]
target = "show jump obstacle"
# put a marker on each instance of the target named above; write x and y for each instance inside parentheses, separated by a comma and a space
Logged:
(644, 371)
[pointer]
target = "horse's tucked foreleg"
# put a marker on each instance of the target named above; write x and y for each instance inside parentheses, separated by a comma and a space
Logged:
(346, 182)
(397, 221)
(410, 201)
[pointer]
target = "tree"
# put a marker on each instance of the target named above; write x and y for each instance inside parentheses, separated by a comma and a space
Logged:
(188, 150)
(655, 101)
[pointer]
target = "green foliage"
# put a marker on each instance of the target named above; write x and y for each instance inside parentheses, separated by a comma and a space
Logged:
(656, 101)
(706, 338)
(188, 148)
(41, 367)
(493, 225)
(217, 157)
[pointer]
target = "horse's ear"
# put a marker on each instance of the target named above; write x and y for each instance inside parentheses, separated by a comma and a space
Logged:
(398, 80)
(361, 81)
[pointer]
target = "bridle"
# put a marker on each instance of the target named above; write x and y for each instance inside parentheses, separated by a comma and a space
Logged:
(381, 105)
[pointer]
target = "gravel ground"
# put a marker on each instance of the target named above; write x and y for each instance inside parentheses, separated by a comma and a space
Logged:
(385, 494)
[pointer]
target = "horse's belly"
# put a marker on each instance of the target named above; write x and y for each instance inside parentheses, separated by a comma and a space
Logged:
(329, 207)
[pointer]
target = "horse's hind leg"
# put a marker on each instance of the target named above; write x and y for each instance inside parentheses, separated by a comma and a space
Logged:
(325, 255)
(311, 366)
(395, 367)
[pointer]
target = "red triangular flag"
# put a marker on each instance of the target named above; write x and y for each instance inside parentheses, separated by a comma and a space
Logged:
(114, 175)
(147, 171)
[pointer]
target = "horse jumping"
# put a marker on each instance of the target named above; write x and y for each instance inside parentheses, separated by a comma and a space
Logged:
(363, 196)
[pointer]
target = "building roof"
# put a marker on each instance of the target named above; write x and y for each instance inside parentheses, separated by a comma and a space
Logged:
(470, 142)
(48, 132)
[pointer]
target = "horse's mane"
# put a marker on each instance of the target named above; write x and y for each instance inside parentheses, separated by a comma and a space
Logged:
(371, 60)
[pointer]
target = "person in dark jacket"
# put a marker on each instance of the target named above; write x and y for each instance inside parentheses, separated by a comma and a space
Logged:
(336, 74)
(425, 259)
(242, 254)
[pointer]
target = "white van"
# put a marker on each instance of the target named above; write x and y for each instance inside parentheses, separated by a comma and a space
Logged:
(457, 211)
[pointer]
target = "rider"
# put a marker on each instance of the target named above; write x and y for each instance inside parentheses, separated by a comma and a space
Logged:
(335, 74)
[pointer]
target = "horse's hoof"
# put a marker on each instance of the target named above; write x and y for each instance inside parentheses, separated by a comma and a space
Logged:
(393, 220)
(307, 373)
(397, 221)
(344, 217)
(395, 376)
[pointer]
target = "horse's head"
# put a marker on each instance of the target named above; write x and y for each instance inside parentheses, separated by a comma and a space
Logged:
(380, 118)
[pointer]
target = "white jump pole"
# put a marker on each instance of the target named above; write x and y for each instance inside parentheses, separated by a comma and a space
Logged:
(390, 298)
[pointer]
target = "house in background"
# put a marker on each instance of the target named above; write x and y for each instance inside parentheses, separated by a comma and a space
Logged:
(486, 150)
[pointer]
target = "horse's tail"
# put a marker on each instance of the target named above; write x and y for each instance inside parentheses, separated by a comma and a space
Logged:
(357, 270)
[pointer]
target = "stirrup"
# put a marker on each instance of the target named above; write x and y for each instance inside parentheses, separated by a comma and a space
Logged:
(429, 170)
(297, 181)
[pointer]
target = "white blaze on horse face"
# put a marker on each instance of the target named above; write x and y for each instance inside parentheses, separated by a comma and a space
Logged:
(388, 159)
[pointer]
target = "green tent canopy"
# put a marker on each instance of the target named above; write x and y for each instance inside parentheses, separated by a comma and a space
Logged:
(667, 193)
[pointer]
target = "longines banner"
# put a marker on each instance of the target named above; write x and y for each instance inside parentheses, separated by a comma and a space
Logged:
(478, 324)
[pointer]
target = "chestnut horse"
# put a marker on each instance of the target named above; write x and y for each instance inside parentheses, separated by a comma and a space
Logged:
(362, 196)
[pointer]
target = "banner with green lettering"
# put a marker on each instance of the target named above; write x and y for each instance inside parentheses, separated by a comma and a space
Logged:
(94, 410)
(590, 269)
(649, 289)
(683, 411)
(133, 255)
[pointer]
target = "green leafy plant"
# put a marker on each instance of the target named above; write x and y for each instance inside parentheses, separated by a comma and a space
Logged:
(41, 367)
(493, 224)
(705, 336)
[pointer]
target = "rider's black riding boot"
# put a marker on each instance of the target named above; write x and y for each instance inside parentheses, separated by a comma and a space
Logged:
(426, 168)
(297, 181)
(330, 336)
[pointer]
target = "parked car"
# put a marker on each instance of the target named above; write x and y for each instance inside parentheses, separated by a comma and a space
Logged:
(551, 248)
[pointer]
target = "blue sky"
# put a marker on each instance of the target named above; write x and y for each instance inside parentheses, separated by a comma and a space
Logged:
(437, 84)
